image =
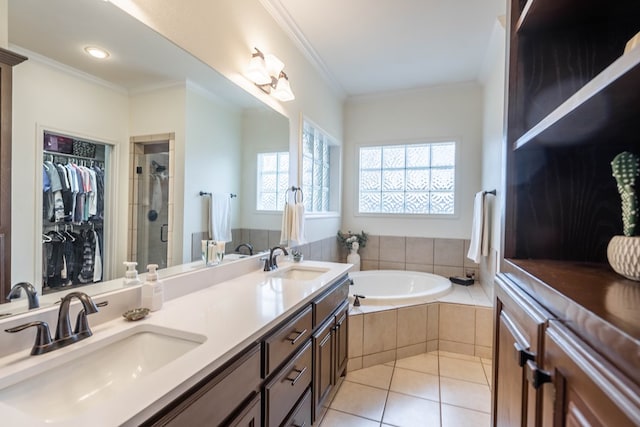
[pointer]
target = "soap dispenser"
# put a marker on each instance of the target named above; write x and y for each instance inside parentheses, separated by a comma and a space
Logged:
(152, 290)
(131, 275)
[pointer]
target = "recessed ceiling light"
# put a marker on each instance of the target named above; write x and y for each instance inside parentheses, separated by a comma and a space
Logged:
(96, 52)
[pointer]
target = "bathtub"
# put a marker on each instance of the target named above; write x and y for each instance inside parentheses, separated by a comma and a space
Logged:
(397, 287)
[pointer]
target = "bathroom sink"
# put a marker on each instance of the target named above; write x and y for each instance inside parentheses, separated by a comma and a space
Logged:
(102, 370)
(235, 257)
(300, 273)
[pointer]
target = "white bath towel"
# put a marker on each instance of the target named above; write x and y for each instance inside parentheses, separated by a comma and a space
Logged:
(297, 224)
(479, 245)
(220, 217)
(285, 230)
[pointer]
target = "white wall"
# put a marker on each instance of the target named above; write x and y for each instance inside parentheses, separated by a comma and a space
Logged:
(493, 79)
(263, 131)
(436, 113)
(45, 96)
(213, 153)
(4, 27)
(157, 112)
(223, 35)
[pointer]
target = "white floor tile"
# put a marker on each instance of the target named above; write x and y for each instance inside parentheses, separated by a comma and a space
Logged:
(465, 394)
(453, 416)
(360, 400)
(460, 369)
(375, 376)
(411, 411)
(426, 363)
(417, 384)
(340, 419)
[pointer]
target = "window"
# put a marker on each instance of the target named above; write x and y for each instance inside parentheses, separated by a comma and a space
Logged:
(407, 179)
(273, 180)
(320, 165)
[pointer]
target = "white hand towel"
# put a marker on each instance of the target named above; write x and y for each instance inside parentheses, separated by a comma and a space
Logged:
(297, 224)
(285, 233)
(220, 217)
(479, 245)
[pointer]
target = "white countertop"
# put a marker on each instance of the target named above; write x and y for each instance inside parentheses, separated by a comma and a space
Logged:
(231, 315)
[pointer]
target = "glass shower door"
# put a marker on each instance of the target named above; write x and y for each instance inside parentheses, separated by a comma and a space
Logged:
(152, 173)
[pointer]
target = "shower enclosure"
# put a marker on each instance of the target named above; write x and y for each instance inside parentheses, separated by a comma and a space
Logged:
(150, 234)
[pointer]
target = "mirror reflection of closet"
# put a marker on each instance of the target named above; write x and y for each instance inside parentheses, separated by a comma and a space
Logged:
(73, 212)
(150, 196)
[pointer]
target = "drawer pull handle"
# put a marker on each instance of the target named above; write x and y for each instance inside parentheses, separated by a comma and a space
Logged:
(300, 374)
(300, 335)
(522, 355)
(537, 376)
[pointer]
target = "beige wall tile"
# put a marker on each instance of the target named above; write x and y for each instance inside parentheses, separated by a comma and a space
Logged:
(354, 364)
(423, 268)
(355, 335)
(389, 265)
(412, 325)
(447, 271)
(366, 264)
(315, 251)
(448, 252)
(433, 321)
(456, 347)
(468, 262)
(484, 327)
(380, 331)
(411, 350)
(457, 323)
(372, 250)
(419, 250)
(274, 237)
(259, 239)
(482, 351)
(378, 358)
(432, 345)
(392, 248)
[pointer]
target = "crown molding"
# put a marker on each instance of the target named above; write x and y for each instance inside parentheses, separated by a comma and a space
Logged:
(286, 22)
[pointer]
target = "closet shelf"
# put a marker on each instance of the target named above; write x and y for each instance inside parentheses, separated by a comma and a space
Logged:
(540, 15)
(602, 109)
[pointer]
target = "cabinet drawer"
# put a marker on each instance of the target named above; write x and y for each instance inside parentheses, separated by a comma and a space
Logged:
(283, 391)
(327, 303)
(219, 395)
(301, 415)
(287, 339)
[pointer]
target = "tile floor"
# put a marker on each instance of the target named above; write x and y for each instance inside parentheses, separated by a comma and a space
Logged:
(437, 389)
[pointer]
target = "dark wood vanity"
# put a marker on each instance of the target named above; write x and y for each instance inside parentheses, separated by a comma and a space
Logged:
(284, 378)
(567, 329)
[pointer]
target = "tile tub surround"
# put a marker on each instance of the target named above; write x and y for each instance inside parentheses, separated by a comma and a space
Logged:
(446, 257)
(461, 322)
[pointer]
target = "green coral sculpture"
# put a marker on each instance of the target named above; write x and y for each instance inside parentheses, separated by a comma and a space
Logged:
(626, 169)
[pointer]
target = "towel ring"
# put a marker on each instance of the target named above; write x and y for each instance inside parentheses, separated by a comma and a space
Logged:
(295, 195)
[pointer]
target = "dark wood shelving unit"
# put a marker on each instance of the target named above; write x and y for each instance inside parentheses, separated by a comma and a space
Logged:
(585, 115)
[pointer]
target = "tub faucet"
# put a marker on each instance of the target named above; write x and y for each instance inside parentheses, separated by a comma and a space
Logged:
(270, 263)
(32, 293)
(64, 335)
(246, 245)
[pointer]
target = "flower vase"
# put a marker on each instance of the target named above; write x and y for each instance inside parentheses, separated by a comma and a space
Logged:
(623, 253)
(354, 258)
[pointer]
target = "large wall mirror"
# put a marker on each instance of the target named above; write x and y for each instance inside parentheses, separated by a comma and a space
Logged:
(167, 126)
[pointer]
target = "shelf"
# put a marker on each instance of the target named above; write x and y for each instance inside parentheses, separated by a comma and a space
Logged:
(539, 14)
(603, 108)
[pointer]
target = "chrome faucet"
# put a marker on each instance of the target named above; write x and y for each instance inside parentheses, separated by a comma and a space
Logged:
(32, 293)
(64, 335)
(270, 263)
(246, 245)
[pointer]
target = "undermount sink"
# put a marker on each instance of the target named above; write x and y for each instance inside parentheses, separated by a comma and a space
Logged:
(99, 371)
(300, 273)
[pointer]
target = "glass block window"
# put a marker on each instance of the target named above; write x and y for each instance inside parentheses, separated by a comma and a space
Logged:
(317, 154)
(407, 179)
(273, 180)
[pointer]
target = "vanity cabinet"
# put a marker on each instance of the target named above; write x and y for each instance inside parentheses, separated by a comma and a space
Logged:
(8, 60)
(571, 106)
(274, 381)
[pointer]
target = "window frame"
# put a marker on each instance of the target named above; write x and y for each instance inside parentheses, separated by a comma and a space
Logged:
(457, 178)
(335, 171)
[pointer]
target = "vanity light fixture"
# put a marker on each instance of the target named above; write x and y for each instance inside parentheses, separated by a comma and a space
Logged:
(266, 72)
(96, 52)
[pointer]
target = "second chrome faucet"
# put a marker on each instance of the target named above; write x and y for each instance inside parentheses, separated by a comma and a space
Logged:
(64, 334)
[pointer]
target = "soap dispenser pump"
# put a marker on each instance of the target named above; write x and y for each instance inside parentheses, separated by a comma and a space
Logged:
(152, 290)
(131, 275)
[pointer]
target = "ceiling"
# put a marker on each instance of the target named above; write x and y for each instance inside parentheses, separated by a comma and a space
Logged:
(366, 46)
